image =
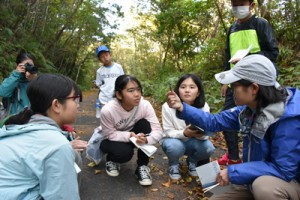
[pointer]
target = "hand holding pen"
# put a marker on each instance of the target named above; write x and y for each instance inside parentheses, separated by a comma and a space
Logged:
(173, 100)
(141, 138)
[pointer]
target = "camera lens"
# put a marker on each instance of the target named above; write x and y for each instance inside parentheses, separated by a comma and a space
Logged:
(30, 68)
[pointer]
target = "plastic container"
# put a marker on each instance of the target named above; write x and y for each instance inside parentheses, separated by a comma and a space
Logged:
(98, 108)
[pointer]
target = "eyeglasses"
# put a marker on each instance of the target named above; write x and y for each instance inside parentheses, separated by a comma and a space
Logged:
(76, 98)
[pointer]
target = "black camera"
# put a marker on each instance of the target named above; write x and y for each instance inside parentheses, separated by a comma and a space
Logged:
(30, 68)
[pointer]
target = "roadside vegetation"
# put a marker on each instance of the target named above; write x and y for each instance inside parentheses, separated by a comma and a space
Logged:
(168, 39)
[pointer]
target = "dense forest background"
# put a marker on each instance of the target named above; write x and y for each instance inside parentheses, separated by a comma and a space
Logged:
(168, 38)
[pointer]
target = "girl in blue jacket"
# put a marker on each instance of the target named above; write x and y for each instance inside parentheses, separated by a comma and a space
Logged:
(37, 160)
(13, 88)
(268, 117)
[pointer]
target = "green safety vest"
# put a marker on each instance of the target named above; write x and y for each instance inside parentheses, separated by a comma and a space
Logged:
(242, 40)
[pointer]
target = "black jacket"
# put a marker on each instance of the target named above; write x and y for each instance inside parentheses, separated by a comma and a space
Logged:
(266, 38)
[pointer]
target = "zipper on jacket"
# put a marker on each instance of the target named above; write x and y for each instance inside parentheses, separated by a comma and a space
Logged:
(249, 146)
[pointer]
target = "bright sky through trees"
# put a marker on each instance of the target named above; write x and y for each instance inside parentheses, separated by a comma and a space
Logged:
(127, 21)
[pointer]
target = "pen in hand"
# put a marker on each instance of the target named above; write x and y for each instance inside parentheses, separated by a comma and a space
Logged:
(142, 138)
(145, 134)
(170, 87)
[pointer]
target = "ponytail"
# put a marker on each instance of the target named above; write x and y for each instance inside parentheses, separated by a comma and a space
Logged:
(21, 118)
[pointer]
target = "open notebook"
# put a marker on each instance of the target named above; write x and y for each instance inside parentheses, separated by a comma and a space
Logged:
(148, 149)
(208, 173)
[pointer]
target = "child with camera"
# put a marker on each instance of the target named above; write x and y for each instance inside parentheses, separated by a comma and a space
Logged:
(13, 88)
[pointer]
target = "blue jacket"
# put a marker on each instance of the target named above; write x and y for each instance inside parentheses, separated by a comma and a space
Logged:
(36, 161)
(9, 90)
(274, 152)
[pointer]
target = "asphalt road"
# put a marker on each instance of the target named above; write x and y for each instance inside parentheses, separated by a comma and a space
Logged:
(125, 186)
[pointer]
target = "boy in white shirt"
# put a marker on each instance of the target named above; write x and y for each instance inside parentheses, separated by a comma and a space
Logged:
(106, 74)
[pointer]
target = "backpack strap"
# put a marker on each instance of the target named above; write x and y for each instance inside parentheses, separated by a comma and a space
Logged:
(11, 100)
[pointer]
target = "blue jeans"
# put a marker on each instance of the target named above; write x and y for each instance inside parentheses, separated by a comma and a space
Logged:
(195, 149)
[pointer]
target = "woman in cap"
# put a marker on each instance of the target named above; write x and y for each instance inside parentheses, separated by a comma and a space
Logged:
(269, 119)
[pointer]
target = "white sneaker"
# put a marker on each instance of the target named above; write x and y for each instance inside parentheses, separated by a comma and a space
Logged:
(112, 168)
(143, 175)
(174, 172)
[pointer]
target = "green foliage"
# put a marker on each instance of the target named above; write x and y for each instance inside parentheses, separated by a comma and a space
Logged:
(170, 38)
(189, 37)
(61, 35)
(159, 86)
(212, 91)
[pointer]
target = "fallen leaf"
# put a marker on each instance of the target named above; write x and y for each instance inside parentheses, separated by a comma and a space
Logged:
(189, 179)
(165, 158)
(153, 189)
(92, 164)
(175, 182)
(167, 184)
(160, 172)
(98, 171)
(184, 184)
(152, 167)
(190, 192)
(170, 195)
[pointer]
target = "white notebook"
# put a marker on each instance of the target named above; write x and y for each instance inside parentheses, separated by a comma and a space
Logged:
(148, 149)
(208, 173)
(241, 53)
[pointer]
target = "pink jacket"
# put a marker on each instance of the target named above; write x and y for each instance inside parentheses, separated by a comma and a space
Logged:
(114, 121)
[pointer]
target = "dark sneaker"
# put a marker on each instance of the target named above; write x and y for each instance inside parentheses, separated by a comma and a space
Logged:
(143, 175)
(174, 172)
(192, 169)
(112, 168)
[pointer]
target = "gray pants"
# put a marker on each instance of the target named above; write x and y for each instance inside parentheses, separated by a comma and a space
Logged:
(264, 187)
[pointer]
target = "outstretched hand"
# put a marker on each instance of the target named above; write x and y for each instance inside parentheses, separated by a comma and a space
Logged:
(174, 101)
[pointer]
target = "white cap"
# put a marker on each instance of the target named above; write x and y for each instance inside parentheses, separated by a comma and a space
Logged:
(254, 68)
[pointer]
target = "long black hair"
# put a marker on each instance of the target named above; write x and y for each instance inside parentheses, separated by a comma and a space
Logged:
(266, 94)
(200, 100)
(41, 92)
(122, 81)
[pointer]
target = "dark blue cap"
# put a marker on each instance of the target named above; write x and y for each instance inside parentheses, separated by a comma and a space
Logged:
(100, 49)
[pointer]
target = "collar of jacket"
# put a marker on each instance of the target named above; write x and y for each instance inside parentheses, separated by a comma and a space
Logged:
(265, 118)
